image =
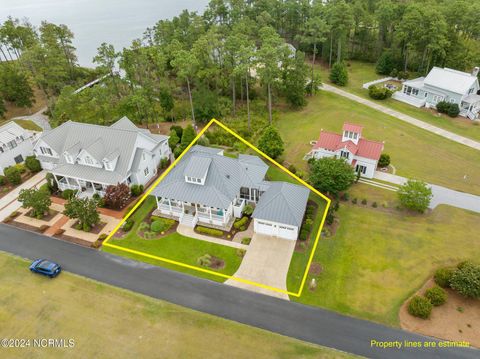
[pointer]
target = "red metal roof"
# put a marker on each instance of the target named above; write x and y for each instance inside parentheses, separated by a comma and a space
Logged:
(352, 127)
(365, 148)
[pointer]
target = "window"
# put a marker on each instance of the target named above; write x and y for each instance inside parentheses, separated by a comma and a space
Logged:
(68, 158)
(12, 144)
(46, 151)
(18, 159)
(345, 154)
(146, 171)
(245, 193)
(355, 135)
(361, 169)
(199, 180)
(415, 91)
(437, 98)
(88, 160)
(107, 166)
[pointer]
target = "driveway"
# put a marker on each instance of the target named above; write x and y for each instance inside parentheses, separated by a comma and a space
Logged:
(312, 324)
(441, 195)
(39, 118)
(9, 203)
(401, 116)
(266, 262)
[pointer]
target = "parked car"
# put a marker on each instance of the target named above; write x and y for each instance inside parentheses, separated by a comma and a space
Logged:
(48, 268)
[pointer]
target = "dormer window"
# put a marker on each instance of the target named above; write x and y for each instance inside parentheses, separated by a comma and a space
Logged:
(107, 166)
(46, 151)
(88, 160)
(68, 158)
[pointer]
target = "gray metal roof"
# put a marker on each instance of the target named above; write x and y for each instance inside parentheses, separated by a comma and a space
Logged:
(449, 79)
(10, 131)
(224, 179)
(197, 167)
(283, 203)
(118, 140)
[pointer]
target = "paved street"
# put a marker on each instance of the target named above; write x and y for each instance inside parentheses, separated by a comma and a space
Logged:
(306, 323)
(401, 116)
(441, 195)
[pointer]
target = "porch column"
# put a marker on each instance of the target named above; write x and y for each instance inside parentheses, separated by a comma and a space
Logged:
(196, 208)
(183, 207)
(210, 212)
(156, 200)
(224, 215)
(56, 179)
(93, 187)
(78, 183)
(170, 204)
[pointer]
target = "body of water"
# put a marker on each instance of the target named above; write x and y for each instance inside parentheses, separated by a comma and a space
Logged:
(116, 22)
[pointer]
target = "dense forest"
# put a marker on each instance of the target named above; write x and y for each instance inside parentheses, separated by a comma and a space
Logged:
(237, 59)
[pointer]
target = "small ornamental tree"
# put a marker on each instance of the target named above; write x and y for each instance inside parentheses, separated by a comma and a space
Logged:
(384, 160)
(117, 197)
(466, 280)
(271, 143)
(33, 164)
(37, 199)
(173, 140)
(13, 175)
(331, 175)
(178, 130)
(188, 136)
(52, 184)
(85, 210)
(339, 74)
(415, 195)
(420, 307)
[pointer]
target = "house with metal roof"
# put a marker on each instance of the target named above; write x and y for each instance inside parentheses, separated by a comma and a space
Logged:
(89, 158)
(16, 144)
(359, 152)
(211, 189)
(444, 84)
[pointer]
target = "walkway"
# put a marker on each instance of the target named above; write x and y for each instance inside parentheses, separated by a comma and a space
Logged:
(441, 195)
(189, 232)
(401, 116)
(9, 203)
(266, 262)
(56, 226)
(312, 324)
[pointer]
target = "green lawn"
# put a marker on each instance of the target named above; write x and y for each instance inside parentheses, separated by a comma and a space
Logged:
(362, 72)
(26, 124)
(110, 322)
(377, 259)
(174, 247)
(415, 153)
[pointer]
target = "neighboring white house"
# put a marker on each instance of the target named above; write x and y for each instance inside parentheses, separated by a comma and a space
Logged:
(461, 88)
(16, 144)
(362, 154)
(88, 158)
(211, 189)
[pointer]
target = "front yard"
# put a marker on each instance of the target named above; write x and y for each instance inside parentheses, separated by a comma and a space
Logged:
(174, 246)
(121, 324)
(380, 256)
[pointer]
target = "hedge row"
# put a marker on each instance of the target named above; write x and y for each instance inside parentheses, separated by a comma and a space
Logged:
(210, 231)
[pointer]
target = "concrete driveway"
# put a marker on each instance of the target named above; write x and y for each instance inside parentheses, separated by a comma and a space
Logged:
(267, 261)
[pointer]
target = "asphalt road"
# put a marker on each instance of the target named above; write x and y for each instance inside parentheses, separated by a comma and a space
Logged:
(306, 323)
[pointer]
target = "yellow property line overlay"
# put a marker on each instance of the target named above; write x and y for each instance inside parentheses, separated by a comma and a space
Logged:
(203, 270)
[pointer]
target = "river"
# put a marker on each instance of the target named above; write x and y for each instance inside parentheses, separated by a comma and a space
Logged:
(116, 22)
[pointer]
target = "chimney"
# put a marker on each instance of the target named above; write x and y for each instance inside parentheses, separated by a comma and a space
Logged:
(475, 71)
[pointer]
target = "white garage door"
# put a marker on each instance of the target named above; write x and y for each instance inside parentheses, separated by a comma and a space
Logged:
(275, 229)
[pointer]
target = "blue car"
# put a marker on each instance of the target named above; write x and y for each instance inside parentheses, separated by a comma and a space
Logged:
(42, 266)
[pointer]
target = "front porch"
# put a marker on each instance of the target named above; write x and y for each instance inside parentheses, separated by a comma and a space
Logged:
(85, 188)
(470, 107)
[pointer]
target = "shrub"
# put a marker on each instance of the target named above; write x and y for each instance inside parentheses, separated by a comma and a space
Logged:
(241, 252)
(331, 175)
(117, 197)
(164, 163)
(403, 75)
(354, 201)
(205, 260)
(364, 201)
(68, 194)
(102, 237)
(45, 188)
(307, 227)
(415, 195)
(21, 168)
(52, 184)
(374, 205)
(436, 295)
(379, 93)
(454, 110)
(174, 139)
(246, 240)
(161, 225)
(127, 226)
(248, 210)
(442, 277)
(303, 235)
(466, 280)
(3, 180)
(385, 64)
(384, 160)
(345, 196)
(178, 130)
(33, 164)
(420, 307)
(209, 231)
(451, 109)
(13, 175)
(292, 169)
(239, 223)
(339, 74)
(271, 143)
(136, 190)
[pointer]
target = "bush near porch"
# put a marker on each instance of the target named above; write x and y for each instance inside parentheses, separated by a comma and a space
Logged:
(173, 247)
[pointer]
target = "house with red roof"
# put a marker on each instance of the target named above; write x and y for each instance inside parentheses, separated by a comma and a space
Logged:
(359, 152)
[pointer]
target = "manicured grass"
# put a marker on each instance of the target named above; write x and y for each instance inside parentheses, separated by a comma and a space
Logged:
(174, 247)
(362, 72)
(26, 124)
(377, 259)
(111, 322)
(415, 152)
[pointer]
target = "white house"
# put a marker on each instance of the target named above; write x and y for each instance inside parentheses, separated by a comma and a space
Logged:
(16, 144)
(444, 84)
(88, 158)
(362, 154)
(211, 189)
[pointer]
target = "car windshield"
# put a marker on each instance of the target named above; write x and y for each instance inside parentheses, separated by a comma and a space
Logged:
(46, 265)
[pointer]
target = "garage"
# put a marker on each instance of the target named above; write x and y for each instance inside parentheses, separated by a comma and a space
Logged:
(280, 210)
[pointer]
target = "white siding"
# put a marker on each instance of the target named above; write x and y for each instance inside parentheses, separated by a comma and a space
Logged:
(275, 229)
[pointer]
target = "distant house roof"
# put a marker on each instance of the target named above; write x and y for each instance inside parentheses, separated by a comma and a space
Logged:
(352, 127)
(101, 142)
(365, 148)
(10, 131)
(450, 79)
(283, 202)
(224, 179)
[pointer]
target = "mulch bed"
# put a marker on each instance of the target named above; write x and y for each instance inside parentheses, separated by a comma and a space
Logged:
(51, 214)
(228, 236)
(301, 246)
(171, 230)
(217, 263)
(75, 240)
(94, 230)
(315, 269)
